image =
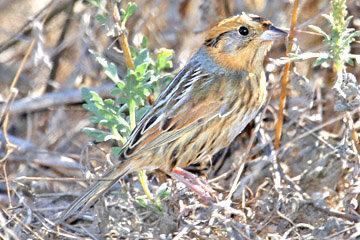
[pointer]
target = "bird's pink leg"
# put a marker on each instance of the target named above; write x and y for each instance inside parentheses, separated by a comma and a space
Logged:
(194, 183)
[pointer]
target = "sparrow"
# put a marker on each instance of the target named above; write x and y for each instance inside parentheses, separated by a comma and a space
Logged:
(205, 106)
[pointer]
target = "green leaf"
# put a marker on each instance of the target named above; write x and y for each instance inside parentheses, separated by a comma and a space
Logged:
(130, 10)
(347, 22)
(144, 204)
(109, 102)
(329, 18)
(140, 69)
(350, 61)
(99, 135)
(94, 119)
(142, 57)
(355, 34)
(132, 96)
(121, 122)
(319, 30)
(109, 67)
(96, 3)
(320, 61)
(116, 91)
(107, 138)
(120, 84)
(96, 97)
(145, 42)
(101, 19)
(163, 192)
(122, 12)
(147, 75)
(111, 72)
(163, 60)
(85, 93)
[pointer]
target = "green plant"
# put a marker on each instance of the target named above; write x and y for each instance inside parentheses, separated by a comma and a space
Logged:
(340, 37)
(163, 192)
(118, 117)
(346, 89)
(131, 95)
(338, 40)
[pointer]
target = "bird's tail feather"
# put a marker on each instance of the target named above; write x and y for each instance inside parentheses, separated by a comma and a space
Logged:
(96, 190)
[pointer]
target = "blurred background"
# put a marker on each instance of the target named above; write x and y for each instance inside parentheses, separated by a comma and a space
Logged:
(47, 116)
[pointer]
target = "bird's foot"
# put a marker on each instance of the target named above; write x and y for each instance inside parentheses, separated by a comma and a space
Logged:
(196, 184)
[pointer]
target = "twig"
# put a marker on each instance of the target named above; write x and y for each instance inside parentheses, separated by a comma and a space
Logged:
(12, 216)
(353, 131)
(252, 138)
(184, 231)
(285, 78)
(123, 41)
(9, 146)
(26, 27)
(47, 100)
(56, 58)
(16, 78)
(42, 157)
(335, 213)
(297, 226)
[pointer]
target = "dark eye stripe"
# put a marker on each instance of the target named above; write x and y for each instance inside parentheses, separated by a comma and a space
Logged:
(259, 19)
(212, 42)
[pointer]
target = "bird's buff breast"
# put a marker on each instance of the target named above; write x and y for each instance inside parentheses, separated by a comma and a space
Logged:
(216, 134)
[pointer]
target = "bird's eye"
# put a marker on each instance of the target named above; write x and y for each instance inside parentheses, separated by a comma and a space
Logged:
(244, 31)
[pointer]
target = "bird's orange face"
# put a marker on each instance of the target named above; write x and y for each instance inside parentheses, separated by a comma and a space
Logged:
(241, 42)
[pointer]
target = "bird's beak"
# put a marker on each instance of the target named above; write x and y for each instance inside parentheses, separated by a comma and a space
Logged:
(273, 33)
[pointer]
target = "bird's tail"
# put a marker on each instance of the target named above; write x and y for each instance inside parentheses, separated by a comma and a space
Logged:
(96, 190)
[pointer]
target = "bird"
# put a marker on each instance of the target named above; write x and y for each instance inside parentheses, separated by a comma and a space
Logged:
(205, 106)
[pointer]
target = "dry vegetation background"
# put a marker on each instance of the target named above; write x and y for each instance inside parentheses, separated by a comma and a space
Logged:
(314, 196)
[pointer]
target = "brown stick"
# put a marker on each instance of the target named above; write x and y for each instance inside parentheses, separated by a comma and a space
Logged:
(47, 100)
(285, 77)
(123, 41)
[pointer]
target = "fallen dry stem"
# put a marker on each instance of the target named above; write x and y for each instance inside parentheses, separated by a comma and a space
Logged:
(353, 131)
(12, 216)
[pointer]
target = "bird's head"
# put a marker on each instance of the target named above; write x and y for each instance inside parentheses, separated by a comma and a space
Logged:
(241, 42)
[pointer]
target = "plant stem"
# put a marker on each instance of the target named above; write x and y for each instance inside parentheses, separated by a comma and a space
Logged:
(340, 51)
(126, 50)
(117, 135)
(144, 184)
(132, 115)
(123, 41)
(285, 77)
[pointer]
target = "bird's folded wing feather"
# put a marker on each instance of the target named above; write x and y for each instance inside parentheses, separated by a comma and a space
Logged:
(171, 115)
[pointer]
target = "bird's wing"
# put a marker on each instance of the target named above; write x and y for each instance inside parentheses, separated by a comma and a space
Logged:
(192, 98)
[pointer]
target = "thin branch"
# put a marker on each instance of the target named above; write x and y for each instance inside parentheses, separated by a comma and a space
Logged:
(353, 131)
(285, 78)
(47, 100)
(27, 227)
(123, 41)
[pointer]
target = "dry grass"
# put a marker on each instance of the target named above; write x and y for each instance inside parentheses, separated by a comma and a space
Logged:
(306, 189)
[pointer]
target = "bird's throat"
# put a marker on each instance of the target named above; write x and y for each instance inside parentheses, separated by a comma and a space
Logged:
(248, 59)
